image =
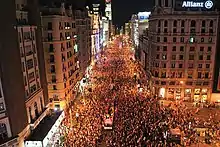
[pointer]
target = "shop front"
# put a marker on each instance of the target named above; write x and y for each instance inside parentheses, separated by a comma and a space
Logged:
(170, 94)
(196, 95)
(178, 93)
(204, 97)
(187, 94)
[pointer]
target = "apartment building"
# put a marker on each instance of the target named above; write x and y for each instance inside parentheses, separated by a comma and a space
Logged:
(84, 31)
(61, 53)
(22, 103)
(182, 41)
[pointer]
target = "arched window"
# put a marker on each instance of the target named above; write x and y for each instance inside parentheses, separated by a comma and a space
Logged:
(166, 3)
(3, 131)
(159, 3)
(211, 23)
(203, 23)
(182, 23)
(175, 23)
(159, 23)
(193, 23)
(36, 109)
(41, 103)
(31, 118)
(165, 23)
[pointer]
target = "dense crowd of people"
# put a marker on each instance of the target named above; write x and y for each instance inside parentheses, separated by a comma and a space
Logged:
(139, 119)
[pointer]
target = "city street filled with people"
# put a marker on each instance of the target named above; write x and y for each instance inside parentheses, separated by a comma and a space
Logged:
(118, 90)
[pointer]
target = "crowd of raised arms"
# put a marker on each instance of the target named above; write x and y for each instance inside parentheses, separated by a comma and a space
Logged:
(139, 120)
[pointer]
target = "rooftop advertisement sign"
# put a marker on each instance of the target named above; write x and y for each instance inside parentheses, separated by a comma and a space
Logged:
(194, 5)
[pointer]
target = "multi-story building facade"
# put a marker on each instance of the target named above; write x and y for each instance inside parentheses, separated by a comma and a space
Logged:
(96, 30)
(182, 40)
(61, 53)
(22, 103)
(84, 31)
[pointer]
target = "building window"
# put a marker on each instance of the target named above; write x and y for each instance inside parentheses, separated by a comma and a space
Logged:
(211, 23)
(175, 23)
(49, 26)
(192, 49)
(31, 77)
(29, 109)
(52, 69)
(203, 23)
(200, 66)
(158, 56)
(210, 31)
(2, 107)
(180, 65)
(173, 65)
(203, 31)
(208, 57)
(159, 23)
(182, 31)
(174, 30)
(158, 30)
(182, 48)
(166, 3)
(199, 75)
(33, 88)
(174, 39)
(200, 57)
(50, 37)
(190, 75)
(165, 23)
(180, 57)
(163, 75)
(207, 65)
(182, 39)
(0, 92)
(36, 109)
(182, 23)
(173, 57)
(51, 49)
(174, 48)
(52, 59)
(30, 64)
(202, 39)
(206, 75)
(41, 103)
(209, 49)
(201, 49)
(165, 30)
(165, 48)
(191, 57)
(193, 23)
(210, 39)
(164, 57)
(158, 39)
(165, 39)
(158, 48)
(54, 87)
(190, 65)
(3, 132)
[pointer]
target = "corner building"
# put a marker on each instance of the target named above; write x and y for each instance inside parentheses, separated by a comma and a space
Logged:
(61, 53)
(182, 40)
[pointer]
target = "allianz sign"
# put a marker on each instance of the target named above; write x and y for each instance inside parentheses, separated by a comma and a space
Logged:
(191, 4)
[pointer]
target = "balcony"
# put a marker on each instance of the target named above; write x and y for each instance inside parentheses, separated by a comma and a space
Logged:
(29, 53)
(34, 123)
(54, 80)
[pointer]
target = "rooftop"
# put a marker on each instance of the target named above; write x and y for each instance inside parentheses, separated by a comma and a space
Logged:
(40, 132)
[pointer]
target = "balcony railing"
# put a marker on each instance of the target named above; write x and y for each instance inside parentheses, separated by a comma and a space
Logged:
(38, 119)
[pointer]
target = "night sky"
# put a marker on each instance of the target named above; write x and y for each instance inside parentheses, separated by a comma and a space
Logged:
(123, 9)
